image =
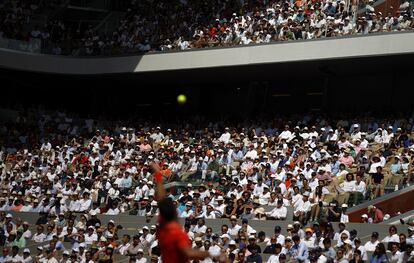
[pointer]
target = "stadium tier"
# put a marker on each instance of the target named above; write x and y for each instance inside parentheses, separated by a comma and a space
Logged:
(83, 188)
(91, 28)
(178, 131)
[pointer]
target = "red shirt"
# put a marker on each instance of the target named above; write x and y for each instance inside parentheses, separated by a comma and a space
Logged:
(171, 239)
(379, 216)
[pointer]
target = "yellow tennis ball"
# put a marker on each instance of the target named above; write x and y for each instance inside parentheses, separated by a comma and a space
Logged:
(181, 99)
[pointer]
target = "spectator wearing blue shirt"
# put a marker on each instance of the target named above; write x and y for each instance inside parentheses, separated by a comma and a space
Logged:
(330, 9)
(396, 166)
(299, 250)
(379, 255)
(126, 183)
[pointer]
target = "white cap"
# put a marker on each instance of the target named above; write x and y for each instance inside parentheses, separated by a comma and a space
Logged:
(356, 125)
(140, 250)
(145, 227)
(26, 250)
(189, 203)
(232, 242)
(189, 185)
(344, 205)
(225, 236)
(219, 198)
(9, 216)
(364, 216)
(154, 203)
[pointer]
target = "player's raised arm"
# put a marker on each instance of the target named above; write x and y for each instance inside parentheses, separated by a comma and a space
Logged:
(160, 190)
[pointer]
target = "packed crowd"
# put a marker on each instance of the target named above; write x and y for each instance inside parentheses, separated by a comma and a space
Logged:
(180, 25)
(16, 16)
(82, 238)
(71, 170)
(57, 164)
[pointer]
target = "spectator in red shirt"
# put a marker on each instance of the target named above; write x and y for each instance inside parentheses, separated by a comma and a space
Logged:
(376, 214)
(173, 240)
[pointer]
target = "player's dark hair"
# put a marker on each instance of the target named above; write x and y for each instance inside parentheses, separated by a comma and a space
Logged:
(167, 209)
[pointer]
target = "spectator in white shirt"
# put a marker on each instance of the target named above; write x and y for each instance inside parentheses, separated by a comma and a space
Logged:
(39, 236)
(392, 236)
(303, 207)
(278, 213)
(200, 228)
(113, 210)
(396, 255)
(358, 193)
(187, 212)
(85, 203)
(285, 135)
(372, 244)
(251, 154)
(225, 137)
(234, 227)
(344, 217)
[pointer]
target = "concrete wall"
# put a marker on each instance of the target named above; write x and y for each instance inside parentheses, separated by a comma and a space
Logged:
(327, 49)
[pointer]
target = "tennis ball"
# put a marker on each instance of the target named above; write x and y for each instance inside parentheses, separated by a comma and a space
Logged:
(181, 99)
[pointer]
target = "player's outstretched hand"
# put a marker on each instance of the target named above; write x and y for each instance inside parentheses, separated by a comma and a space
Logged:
(222, 258)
